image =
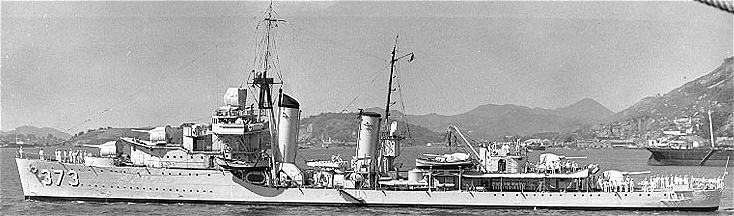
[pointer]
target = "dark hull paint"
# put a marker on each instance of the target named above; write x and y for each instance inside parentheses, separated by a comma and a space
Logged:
(689, 157)
(90, 199)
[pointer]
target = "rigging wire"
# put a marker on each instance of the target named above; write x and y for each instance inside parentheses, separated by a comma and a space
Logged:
(720, 4)
(333, 42)
(166, 75)
(402, 103)
(374, 77)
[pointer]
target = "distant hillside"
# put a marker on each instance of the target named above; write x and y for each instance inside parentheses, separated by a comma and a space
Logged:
(342, 127)
(712, 91)
(38, 132)
(493, 122)
(102, 135)
(587, 110)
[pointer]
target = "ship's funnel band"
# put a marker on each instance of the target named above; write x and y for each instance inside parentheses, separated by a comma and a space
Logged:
(289, 102)
(371, 114)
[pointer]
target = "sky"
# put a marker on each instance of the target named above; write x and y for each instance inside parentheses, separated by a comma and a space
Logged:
(79, 65)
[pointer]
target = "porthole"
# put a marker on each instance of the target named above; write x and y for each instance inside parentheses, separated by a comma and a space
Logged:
(208, 174)
(156, 188)
(124, 171)
(169, 173)
(131, 187)
(189, 174)
(191, 190)
(197, 191)
(515, 195)
(574, 195)
(640, 194)
(197, 174)
(495, 194)
(166, 156)
(625, 194)
(179, 173)
(503, 194)
(137, 188)
(535, 194)
(582, 195)
(211, 191)
(95, 185)
(599, 195)
(162, 173)
(648, 194)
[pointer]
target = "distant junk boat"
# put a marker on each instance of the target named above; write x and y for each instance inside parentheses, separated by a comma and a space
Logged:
(245, 156)
(681, 149)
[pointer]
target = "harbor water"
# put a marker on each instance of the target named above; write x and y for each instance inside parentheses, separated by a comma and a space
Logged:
(12, 202)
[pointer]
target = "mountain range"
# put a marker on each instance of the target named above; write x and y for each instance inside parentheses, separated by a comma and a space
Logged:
(493, 121)
(488, 121)
(710, 92)
(37, 132)
(586, 118)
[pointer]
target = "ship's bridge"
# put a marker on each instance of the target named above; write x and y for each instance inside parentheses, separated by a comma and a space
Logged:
(233, 120)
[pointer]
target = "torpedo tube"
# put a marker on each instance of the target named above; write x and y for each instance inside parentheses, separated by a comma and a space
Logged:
(287, 129)
(369, 132)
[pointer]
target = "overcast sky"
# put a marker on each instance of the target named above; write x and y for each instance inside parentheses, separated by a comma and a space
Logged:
(78, 65)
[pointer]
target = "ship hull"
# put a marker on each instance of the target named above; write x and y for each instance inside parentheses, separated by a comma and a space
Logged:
(138, 184)
(689, 157)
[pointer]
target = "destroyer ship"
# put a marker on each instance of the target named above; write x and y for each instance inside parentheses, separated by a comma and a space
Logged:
(247, 155)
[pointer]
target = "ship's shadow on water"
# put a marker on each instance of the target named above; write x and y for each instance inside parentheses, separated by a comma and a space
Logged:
(259, 190)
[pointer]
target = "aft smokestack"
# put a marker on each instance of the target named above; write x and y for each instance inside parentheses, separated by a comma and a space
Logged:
(369, 137)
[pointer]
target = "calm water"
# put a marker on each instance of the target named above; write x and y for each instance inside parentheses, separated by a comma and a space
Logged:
(12, 202)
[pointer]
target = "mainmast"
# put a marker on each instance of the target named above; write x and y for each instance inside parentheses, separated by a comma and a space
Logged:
(389, 84)
(390, 148)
